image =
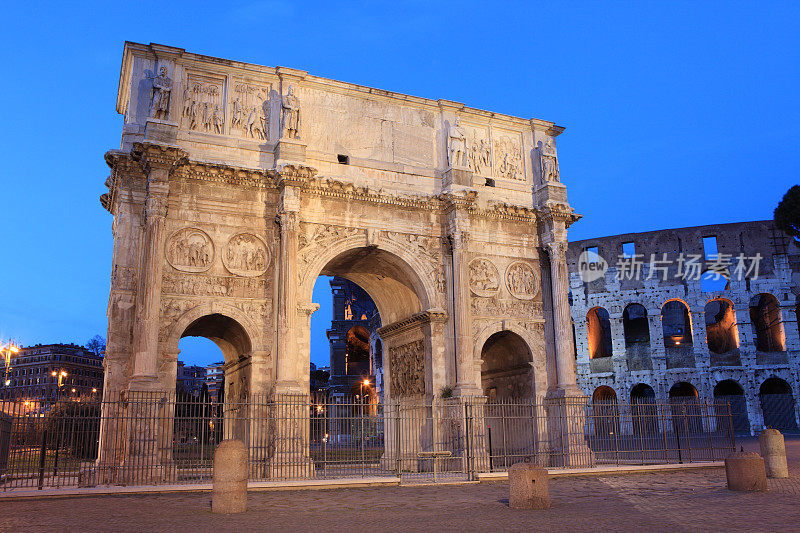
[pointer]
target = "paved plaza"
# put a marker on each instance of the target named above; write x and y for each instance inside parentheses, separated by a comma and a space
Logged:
(674, 501)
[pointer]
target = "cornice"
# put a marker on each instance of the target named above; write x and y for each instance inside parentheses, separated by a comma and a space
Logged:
(159, 156)
(464, 199)
(413, 321)
(559, 212)
(228, 175)
(332, 188)
(505, 211)
(295, 175)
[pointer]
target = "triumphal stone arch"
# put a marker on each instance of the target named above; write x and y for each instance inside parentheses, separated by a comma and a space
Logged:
(236, 185)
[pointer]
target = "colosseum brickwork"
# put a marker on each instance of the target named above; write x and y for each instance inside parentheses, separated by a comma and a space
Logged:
(708, 311)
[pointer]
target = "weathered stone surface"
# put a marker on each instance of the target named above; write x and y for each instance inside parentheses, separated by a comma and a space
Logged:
(529, 487)
(773, 450)
(745, 472)
(229, 491)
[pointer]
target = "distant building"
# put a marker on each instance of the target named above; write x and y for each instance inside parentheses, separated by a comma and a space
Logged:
(53, 370)
(190, 379)
(215, 379)
(319, 377)
(352, 333)
(653, 327)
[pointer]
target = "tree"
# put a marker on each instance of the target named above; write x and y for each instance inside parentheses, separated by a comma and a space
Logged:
(96, 345)
(787, 214)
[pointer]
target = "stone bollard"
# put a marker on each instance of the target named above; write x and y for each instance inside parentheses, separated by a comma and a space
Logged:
(773, 450)
(745, 472)
(529, 487)
(229, 492)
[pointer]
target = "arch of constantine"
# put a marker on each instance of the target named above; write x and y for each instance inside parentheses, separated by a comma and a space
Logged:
(236, 185)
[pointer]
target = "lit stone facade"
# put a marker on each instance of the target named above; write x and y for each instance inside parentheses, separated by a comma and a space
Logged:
(236, 185)
(750, 339)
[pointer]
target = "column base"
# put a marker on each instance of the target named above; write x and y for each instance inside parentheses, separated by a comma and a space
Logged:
(162, 131)
(457, 176)
(566, 423)
(289, 151)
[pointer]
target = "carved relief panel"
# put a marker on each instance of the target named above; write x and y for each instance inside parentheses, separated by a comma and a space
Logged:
(522, 281)
(203, 108)
(478, 149)
(250, 110)
(508, 155)
(483, 277)
(233, 286)
(246, 255)
(190, 250)
(407, 364)
(512, 295)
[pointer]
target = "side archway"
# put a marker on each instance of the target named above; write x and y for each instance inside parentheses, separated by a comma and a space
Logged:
(506, 371)
(523, 342)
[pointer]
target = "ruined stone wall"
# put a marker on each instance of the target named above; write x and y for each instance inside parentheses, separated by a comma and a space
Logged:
(690, 362)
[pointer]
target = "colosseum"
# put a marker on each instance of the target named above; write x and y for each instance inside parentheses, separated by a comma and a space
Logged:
(706, 311)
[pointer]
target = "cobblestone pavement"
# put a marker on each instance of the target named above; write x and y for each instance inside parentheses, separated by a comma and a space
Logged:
(675, 501)
(682, 501)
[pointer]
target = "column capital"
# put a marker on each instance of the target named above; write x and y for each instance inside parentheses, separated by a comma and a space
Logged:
(288, 219)
(155, 207)
(159, 157)
(557, 251)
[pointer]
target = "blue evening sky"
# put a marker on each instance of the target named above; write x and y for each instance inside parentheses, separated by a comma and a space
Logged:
(677, 113)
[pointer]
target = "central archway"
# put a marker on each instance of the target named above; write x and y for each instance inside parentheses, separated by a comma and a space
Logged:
(403, 290)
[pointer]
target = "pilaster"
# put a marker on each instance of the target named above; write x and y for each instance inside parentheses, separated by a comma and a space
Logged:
(291, 179)
(158, 162)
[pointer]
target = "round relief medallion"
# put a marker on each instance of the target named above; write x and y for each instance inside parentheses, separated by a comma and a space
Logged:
(246, 255)
(190, 250)
(483, 277)
(522, 281)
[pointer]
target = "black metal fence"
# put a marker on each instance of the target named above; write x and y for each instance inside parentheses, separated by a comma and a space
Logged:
(158, 438)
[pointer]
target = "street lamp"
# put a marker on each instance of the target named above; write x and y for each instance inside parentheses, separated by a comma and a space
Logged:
(6, 353)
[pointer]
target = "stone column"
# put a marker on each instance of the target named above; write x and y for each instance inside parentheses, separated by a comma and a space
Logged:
(465, 366)
(565, 366)
(148, 414)
(287, 381)
(290, 456)
(158, 162)
(566, 416)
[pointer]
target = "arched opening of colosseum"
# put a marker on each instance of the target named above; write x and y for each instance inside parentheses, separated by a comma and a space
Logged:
(777, 404)
(722, 333)
(644, 410)
(506, 371)
(676, 325)
(729, 392)
(218, 410)
(685, 409)
(637, 337)
(598, 328)
(605, 412)
(765, 316)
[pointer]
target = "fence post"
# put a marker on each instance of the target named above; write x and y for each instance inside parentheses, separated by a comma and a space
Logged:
(398, 455)
(42, 453)
(470, 455)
